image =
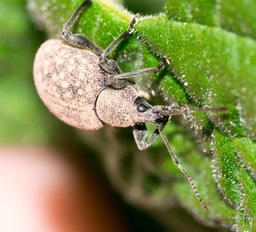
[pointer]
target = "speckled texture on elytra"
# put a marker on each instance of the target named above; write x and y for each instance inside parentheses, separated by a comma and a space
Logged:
(68, 81)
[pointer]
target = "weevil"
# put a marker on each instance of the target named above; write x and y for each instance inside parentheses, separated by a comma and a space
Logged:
(82, 87)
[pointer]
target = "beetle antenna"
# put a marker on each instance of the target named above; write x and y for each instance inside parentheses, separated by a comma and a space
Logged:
(169, 111)
(177, 163)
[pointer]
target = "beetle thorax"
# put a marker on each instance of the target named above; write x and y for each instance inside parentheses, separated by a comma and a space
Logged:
(117, 108)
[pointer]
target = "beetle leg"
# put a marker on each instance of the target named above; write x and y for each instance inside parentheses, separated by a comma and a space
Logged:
(122, 76)
(140, 133)
(119, 80)
(109, 65)
(125, 34)
(77, 40)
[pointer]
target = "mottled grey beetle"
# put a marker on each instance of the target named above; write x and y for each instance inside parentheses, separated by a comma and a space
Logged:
(85, 89)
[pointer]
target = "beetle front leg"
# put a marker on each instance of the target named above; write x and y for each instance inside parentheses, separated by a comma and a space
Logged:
(109, 65)
(120, 80)
(140, 133)
(76, 40)
(111, 47)
(123, 76)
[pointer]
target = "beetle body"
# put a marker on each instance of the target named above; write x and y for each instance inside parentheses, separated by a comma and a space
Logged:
(72, 84)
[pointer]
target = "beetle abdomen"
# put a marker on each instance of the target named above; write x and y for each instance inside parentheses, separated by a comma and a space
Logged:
(68, 80)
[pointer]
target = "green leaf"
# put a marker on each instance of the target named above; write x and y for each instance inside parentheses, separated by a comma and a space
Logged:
(234, 183)
(236, 16)
(214, 66)
(226, 168)
(246, 151)
(212, 52)
(199, 11)
(248, 189)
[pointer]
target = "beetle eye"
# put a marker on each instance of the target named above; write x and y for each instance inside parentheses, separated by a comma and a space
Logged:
(141, 105)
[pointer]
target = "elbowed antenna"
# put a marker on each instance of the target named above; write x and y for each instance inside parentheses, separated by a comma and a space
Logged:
(166, 111)
(177, 163)
(169, 110)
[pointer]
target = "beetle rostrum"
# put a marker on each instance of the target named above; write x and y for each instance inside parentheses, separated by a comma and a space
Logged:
(82, 87)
